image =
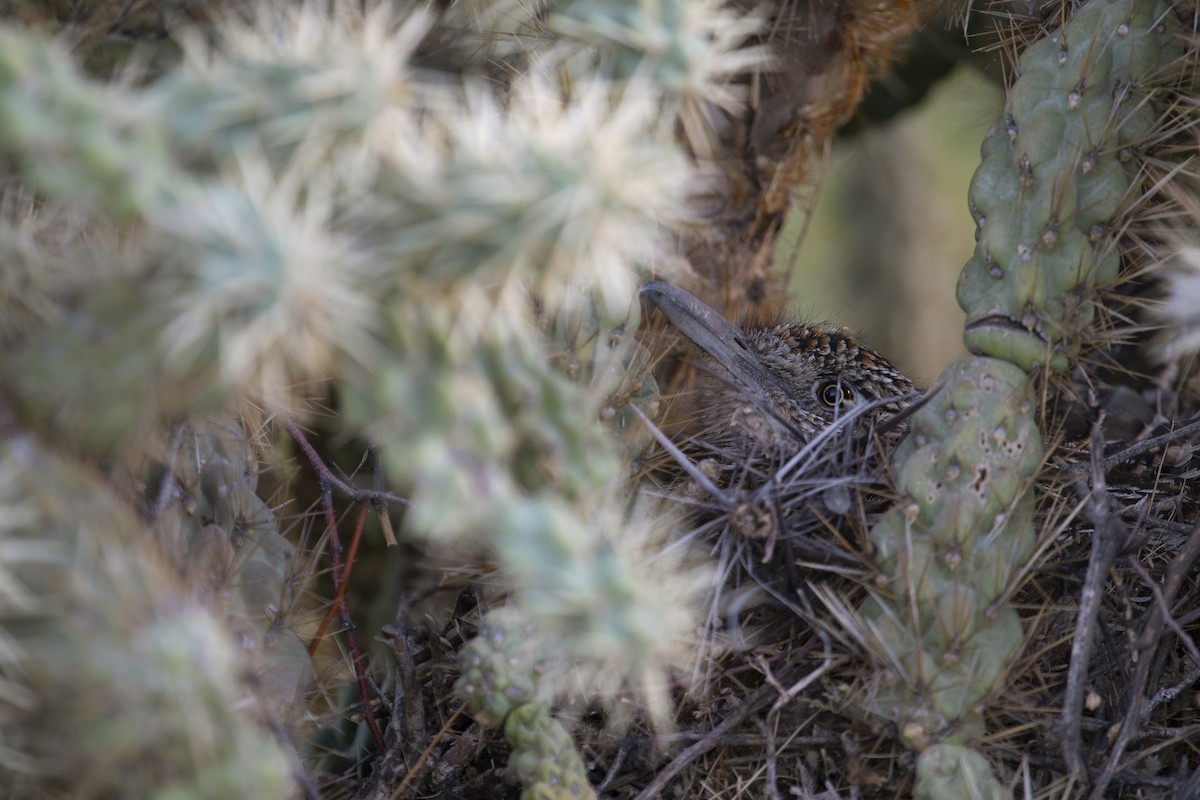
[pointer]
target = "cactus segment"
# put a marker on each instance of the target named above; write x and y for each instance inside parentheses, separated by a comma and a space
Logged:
(1055, 172)
(689, 48)
(72, 138)
(951, 547)
(223, 535)
(499, 669)
(544, 757)
(132, 685)
(953, 772)
(500, 685)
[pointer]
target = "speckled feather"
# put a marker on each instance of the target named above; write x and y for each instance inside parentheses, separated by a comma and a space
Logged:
(807, 358)
(768, 384)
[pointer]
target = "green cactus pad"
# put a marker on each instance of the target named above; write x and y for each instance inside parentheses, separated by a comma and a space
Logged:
(953, 772)
(500, 685)
(499, 669)
(73, 138)
(1056, 170)
(544, 757)
(953, 544)
(135, 685)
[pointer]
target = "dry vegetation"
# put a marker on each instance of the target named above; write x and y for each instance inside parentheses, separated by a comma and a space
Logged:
(339, 458)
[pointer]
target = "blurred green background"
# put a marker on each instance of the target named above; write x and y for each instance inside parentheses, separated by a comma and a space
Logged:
(890, 229)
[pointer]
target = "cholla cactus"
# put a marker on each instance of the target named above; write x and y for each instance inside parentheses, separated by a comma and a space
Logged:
(118, 679)
(432, 221)
(501, 683)
(1056, 172)
(297, 212)
(1064, 153)
(1181, 306)
(74, 139)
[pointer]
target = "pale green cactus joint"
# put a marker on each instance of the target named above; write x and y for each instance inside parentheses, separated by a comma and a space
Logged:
(951, 547)
(224, 534)
(684, 46)
(1057, 171)
(96, 624)
(1058, 166)
(75, 139)
(952, 772)
(500, 683)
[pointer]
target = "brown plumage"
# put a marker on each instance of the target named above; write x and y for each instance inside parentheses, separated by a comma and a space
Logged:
(772, 388)
(778, 454)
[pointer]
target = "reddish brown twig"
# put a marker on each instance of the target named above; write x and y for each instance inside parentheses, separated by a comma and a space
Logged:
(341, 585)
(360, 673)
(327, 482)
(373, 496)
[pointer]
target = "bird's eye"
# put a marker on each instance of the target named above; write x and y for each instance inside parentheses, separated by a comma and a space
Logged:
(833, 393)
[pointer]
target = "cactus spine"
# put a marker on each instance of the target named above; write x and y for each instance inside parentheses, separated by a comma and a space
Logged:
(1055, 173)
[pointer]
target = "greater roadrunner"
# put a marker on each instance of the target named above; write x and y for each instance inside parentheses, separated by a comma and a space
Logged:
(784, 427)
(776, 386)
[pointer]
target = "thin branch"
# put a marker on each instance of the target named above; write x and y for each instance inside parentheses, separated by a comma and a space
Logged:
(338, 572)
(328, 481)
(406, 731)
(614, 769)
(423, 758)
(711, 740)
(341, 591)
(686, 463)
(1164, 611)
(1108, 535)
(785, 696)
(1135, 711)
(1146, 446)
(326, 475)
(385, 521)
(1169, 693)
(168, 477)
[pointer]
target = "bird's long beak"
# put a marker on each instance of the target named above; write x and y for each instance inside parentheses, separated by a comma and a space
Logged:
(713, 334)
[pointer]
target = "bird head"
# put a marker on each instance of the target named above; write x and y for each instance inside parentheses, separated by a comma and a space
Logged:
(779, 384)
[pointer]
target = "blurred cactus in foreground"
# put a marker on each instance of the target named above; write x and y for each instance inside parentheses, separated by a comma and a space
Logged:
(500, 682)
(416, 230)
(301, 206)
(111, 663)
(1181, 307)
